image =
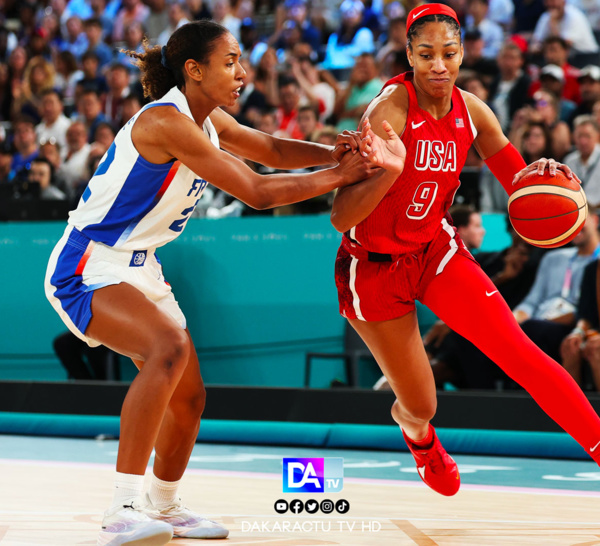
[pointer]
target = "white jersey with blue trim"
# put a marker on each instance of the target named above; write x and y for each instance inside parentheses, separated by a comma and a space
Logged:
(131, 203)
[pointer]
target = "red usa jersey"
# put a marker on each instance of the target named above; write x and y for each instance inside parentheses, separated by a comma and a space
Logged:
(409, 215)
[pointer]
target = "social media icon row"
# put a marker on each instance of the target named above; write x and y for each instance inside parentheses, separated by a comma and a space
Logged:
(296, 506)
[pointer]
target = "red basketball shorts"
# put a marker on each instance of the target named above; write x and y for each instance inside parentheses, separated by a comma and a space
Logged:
(374, 287)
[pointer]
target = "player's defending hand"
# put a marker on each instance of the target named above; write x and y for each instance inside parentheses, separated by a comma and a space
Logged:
(389, 154)
(346, 141)
(540, 166)
(356, 167)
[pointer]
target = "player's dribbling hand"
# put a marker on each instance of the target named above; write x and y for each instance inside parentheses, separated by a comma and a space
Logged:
(540, 166)
(389, 154)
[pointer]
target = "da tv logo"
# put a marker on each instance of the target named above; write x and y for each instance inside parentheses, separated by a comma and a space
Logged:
(313, 475)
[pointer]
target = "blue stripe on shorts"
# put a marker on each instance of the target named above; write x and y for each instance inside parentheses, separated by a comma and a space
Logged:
(74, 298)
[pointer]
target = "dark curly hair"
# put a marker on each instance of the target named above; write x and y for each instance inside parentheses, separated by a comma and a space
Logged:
(191, 41)
(414, 29)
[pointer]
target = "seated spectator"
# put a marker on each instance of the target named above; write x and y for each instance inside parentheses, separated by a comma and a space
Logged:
(41, 172)
(547, 109)
(569, 23)
(527, 14)
(54, 123)
(27, 99)
(199, 9)
(585, 160)
(589, 88)
(555, 51)
(134, 34)
(118, 88)
(93, 31)
(67, 76)
(223, 14)
(89, 112)
(132, 104)
(74, 167)
(287, 112)
(547, 314)
(296, 11)
(103, 137)
(491, 32)
(308, 121)
(395, 45)
(474, 60)
(351, 40)
(252, 99)
(80, 361)
(552, 80)
(25, 143)
(51, 150)
(157, 20)
(583, 343)
(92, 79)
(178, 17)
(508, 91)
(364, 85)
(132, 11)
(76, 41)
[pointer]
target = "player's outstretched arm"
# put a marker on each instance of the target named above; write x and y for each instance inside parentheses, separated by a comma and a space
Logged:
(352, 204)
(161, 137)
(278, 153)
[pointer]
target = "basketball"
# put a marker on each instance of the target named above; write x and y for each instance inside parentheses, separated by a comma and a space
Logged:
(547, 211)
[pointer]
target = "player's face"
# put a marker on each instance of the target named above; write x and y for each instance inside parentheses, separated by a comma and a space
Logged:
(223, 76)
(436, 55)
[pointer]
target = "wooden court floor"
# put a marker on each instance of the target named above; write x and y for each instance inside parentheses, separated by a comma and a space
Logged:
(60, 503)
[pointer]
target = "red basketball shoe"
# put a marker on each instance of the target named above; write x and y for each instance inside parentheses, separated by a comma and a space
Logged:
(436, 468)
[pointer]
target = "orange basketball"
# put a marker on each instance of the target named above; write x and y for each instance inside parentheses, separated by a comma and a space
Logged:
(547, 211)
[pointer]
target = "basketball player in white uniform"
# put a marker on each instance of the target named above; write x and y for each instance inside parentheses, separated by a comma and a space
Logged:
(105, 280)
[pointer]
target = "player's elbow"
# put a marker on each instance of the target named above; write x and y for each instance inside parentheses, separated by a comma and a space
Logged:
(260, 200)
(339, 223)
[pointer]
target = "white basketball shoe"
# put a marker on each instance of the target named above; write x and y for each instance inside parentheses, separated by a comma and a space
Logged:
(185, 523)
(130, 525)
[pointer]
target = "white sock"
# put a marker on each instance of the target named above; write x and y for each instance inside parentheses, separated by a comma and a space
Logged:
(127, 488)
(162, 493)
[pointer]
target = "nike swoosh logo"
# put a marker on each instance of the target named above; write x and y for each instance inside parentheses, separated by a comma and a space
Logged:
(417, 125)
(417, 14)
(594, 448)
(488, 294)
(421, 470)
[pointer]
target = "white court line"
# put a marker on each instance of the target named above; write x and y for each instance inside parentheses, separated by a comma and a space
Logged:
(359, 481)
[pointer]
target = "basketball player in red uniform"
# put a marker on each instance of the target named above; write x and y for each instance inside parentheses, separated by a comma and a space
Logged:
(399, 246)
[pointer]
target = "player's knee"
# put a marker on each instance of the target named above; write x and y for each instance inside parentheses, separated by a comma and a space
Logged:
(173, 351)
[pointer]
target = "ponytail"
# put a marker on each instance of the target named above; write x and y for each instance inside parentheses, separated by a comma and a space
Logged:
(156, 78)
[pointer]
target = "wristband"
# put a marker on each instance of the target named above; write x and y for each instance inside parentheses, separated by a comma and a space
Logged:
(505, 164)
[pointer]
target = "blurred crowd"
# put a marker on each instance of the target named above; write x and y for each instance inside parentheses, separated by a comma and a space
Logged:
(67, 85)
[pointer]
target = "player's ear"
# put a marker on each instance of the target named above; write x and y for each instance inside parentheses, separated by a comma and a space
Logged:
(409, 56)
(193, 69)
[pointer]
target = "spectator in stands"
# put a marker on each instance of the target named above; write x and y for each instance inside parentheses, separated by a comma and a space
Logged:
(75, 41)
(131, 106)
(51, 150)
(223, 14)
(395, 45)
(547, 108)
(585, 160)
(568, 22)
(485, 68)
(589, 88)
(39, 44)
(178, 17)
(508, 91)
(308, 121)
(297, 12)
(134, 34)
(364, 85)
(103, 138)
(41, 172)
(535, 141)
(556, 52)
(73, 169)
(89, 112)
(547, 314)
(287, 112)
(199, 9)
(93, 31)
(92, 79)
(118, 88)
(349, 41)
(6, 155)
(17, 62)
(105, 15)
(67, 76)
(491, 32)
(25, 144)
(131, 11)
(27, 99)
(552, 80)
(157, 20)
(583, 343)
(54, 123)
(526, 16)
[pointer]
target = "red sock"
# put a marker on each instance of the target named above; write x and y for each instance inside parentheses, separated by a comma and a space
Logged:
(458, 297)
(425, 442)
